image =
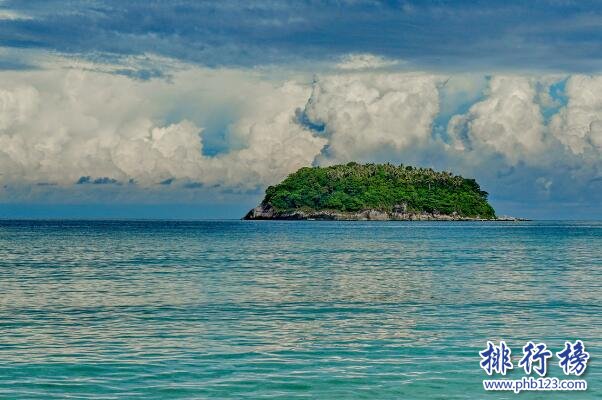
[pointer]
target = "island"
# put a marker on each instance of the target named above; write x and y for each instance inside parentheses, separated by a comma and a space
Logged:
(357, 192)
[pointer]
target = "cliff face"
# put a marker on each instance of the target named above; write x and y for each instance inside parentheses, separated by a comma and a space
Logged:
(374, 192)
(267, 212)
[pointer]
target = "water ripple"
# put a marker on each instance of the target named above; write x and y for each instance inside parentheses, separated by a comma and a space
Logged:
(231, 309)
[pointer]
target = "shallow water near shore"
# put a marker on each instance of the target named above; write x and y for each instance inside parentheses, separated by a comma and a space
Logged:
(281, 309)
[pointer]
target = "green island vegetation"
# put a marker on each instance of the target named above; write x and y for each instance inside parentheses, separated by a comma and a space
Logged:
(353, 187)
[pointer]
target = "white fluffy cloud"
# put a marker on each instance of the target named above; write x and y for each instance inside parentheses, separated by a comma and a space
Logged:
(66, 122)
(366, 113)
(57, 126)
(508, 121)
(579, 125)
(274, 143)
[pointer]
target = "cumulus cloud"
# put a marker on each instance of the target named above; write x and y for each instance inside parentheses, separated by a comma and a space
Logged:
(367, 112)
(17, 105)
(508, 121)
(57, 126)
(274, 143)
(579, 125)
(91, 125)
(506, 141)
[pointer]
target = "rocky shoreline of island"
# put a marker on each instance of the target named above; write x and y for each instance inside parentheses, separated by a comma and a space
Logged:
(267, 212)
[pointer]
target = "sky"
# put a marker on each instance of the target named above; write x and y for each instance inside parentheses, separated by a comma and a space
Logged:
(189, 110)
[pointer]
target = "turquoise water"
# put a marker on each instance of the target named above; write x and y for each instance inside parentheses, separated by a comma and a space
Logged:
(325, 310)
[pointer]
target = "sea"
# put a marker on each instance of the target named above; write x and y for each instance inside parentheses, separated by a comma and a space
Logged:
(292, 309)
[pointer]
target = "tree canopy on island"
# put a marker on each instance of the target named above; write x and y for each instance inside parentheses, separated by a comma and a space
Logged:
(354, 187)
